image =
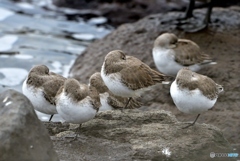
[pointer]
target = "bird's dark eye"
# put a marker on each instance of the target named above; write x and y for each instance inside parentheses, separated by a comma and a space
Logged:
(123, 57)
(174, 41)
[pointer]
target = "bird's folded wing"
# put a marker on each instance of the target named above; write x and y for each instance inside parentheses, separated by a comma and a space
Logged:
(188, 53)
(140, 76)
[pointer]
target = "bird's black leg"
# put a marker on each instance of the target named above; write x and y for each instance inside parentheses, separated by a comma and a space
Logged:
(188, 14)
(207, 18)
(50, 118)
(192, 123)
(189, 11)
(77, 132)
(127, 104)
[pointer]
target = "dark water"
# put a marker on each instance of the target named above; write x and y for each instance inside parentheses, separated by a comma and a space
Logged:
(39, 33)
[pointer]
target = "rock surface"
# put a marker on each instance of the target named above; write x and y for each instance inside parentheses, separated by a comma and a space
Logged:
(220, 40)
(136, 135)
(22, 135)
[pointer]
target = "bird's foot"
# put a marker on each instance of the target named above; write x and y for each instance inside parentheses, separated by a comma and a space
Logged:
(193, 28)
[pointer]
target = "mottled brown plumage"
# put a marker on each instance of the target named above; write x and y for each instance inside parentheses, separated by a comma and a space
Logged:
(50, 82)
(186, 79)
(96, 81)
(113, 100)
(189, 53)
(186, 52)
(77, 92)
(41, 87)
(134, 73)
(94, 94)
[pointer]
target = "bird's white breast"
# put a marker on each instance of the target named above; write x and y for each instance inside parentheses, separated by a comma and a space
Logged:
(192, 102)
(114, 84)
(165, 62)
(35, 95)
(75, 112)
(104, 104)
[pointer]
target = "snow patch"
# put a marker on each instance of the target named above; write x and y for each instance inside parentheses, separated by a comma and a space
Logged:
(7, 41)
(12, 76)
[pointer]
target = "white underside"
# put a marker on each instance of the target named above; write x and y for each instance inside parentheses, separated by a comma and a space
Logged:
(165, 62)
(75, 112)
(104, 104)
(35, 95)
(192, 102)
(114, 84)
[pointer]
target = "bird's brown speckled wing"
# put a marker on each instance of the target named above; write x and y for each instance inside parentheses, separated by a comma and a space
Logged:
(208, 87)
(205, 84)
(140, 76)
(50, 89)
(188, 53)
(95, 98)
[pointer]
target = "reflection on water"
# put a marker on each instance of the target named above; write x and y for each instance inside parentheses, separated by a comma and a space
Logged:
(31, 35)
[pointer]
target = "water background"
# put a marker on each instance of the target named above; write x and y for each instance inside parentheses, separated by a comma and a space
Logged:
(40, 33)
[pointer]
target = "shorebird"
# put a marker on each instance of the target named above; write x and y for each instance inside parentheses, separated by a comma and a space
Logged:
(108, 100)
(194, 93)
(127, 76)
(77, 103)
(170, 54)
(40, 87)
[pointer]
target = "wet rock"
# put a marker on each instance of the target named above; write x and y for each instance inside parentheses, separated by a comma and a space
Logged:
(220, 40)
(22, 135)
(136, 135)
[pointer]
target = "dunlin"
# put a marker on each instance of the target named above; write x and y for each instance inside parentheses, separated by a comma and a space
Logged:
(77, 103)
(171, 54)
(108, 100)
(40, 87)
(127, 76)
(194, 93)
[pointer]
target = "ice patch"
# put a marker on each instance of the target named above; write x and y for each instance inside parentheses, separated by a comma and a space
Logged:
(4, 56)
(57, 67)
(13, 76)
(86, 37)
(22, 56)
(97, 20)
(5, 13)
(44, 3)
(25, 5)
(66, 68)
(7, 41)
(18, 56)
(76, 50)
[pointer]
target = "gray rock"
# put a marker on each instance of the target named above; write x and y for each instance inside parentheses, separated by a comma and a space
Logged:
(22, 135)
(136, 135)
(220, 40)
